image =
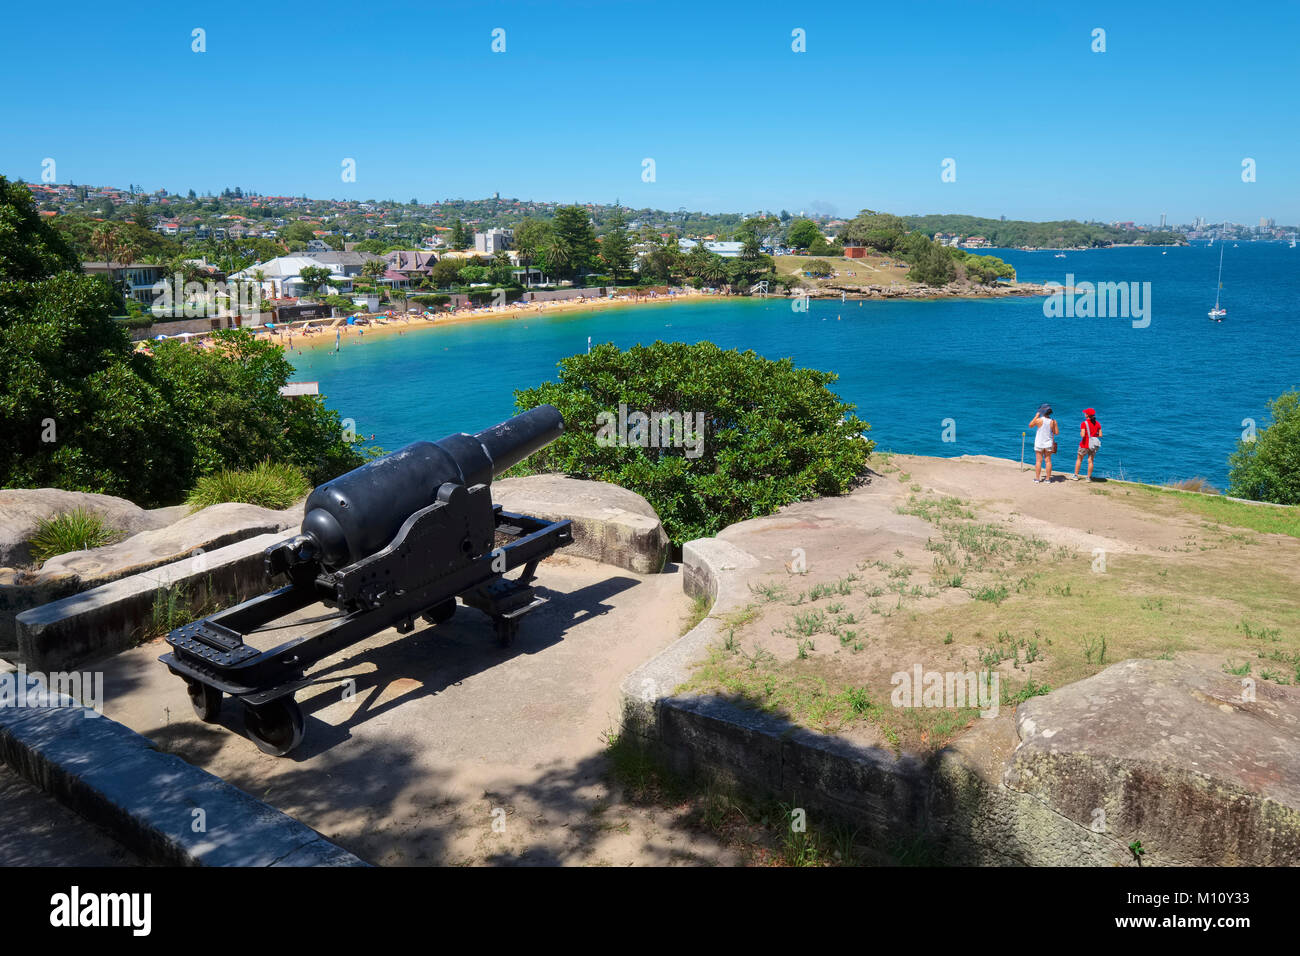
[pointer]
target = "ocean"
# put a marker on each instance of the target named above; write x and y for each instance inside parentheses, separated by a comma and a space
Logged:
(1173, 397)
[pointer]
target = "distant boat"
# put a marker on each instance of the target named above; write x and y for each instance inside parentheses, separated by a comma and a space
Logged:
(1217, 313)
(1293, 242)
(1059, 255)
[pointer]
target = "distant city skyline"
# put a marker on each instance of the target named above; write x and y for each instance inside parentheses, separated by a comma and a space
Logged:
(987, 110)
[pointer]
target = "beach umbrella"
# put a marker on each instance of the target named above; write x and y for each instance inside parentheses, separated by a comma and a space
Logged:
(159, 338)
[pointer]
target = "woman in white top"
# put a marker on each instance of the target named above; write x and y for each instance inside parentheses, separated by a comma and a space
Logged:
(1044, 441)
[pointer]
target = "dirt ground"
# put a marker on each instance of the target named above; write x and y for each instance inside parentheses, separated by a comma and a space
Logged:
(966, 565)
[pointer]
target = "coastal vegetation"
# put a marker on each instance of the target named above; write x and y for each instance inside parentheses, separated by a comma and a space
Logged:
(725, 435)
(267, 484)
(82, 411)
(77, 530)
(931, 263)
(1267, 468)
(1016, 233)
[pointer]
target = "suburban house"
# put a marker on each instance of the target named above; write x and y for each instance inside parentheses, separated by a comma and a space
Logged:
(282, 276)
(137, 280)
(348, 263)
(410, 264)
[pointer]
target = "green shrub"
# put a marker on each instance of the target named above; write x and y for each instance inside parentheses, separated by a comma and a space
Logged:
(772, 433)
(75, 530)
(818, 267)
(1268, 468)
(267, 484)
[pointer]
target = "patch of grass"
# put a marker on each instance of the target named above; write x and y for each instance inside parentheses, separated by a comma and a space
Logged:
(699, 611)
(935, 510)
(77, 530)
(1094, 649)
(266, 484)
(810, 623)
(770, 591)
(1267, 519)
(997, 594)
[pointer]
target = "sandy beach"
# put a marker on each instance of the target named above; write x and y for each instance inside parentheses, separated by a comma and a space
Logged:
(317, 333)
(397, 323)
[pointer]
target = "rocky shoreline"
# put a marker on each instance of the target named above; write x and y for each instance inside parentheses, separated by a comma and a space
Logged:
(953, 290)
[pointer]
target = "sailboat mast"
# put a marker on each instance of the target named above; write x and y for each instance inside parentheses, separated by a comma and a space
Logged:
(1219, 286)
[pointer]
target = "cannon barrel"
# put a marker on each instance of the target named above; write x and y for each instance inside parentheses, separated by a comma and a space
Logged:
(358, 513)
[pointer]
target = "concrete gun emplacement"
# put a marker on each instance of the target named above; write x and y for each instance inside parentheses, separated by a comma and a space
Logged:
(399, 538)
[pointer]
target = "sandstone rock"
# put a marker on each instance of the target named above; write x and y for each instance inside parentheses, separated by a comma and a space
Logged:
(68, 574)
(610, 524)
(213, 527)
(1175, 754)
(21, 509)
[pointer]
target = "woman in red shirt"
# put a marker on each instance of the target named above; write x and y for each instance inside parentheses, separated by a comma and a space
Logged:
(1089, 441)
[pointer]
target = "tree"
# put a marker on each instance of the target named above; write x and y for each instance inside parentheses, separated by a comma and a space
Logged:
(931, 263)
(81, 411)
(105, 241)
(573, 242)
(818, 267)
(460, 237)
(1268, 468)
(802, 234)
(297, 232)
(446, 271)
(759, 434)
(616, 248)
(662, 260)
(314, 277)
(881, 231)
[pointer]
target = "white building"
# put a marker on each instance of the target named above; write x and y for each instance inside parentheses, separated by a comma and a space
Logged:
(728, 250)
(493, 241)
(283, 276)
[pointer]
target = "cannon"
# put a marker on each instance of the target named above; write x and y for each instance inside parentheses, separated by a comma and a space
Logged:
(399, 538)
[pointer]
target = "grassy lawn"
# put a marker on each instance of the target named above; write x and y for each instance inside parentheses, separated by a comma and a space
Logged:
(1269, 519)
(871, 270)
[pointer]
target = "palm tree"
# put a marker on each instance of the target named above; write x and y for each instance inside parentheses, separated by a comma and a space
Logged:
(104, 240)
(375, 268)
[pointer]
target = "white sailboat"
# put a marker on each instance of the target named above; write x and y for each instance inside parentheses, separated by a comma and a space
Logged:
(1217, 313)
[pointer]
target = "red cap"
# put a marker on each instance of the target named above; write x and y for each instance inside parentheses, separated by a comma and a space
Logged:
(1089, 412)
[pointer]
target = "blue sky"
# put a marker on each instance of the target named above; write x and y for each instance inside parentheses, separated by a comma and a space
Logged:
(1040, 126)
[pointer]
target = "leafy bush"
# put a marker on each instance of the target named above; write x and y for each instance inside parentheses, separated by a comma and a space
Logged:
(818, 267)
(75, 530)
(266, 484)
(1268, 469)
(341, 303)
(771, 433)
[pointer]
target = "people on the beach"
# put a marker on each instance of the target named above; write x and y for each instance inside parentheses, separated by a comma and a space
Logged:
(1089, 441)
(1044, 442)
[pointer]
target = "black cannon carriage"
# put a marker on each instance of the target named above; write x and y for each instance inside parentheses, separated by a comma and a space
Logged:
(402, 537)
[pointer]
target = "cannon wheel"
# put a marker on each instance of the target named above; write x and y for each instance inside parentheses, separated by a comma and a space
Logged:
(507, 631)
(276, 726)
(441, 612)
(206, 701)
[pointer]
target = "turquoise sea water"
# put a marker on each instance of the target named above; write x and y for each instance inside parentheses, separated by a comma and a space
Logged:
(1171, 397)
